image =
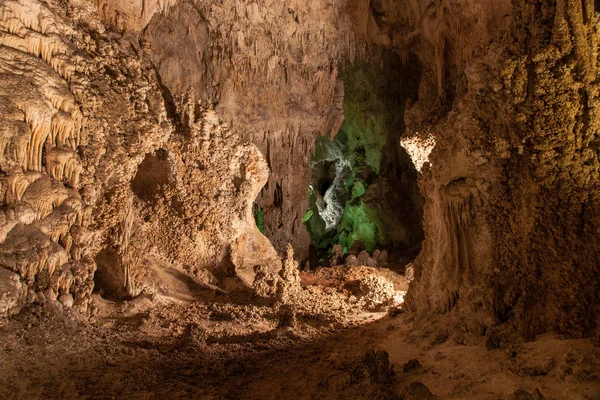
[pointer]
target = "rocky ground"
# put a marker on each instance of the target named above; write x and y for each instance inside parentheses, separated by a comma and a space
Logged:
(336, 336)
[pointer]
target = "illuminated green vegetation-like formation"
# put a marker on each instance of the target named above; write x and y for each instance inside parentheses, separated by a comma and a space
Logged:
(367, 143)
(259, 218)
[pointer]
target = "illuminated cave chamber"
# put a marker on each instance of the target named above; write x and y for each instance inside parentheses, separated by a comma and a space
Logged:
(363, 192)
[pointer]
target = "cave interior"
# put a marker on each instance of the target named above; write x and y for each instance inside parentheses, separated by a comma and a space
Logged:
(251, 199)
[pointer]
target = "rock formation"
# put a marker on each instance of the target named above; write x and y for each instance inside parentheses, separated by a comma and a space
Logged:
(138, 138)
(513, 177)
(98, 181)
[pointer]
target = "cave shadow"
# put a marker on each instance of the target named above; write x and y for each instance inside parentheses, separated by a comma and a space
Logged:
(185, 367)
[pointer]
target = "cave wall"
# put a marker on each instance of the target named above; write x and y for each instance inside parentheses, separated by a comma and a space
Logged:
(511, 218)
(86, 131)
(72, 129)
(550, 181)
(506, 89)
(270, 69)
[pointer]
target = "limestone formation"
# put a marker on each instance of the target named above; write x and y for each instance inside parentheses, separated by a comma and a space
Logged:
(82, 114)
(110, 151)
(251, 176)
(13, 292)
(513, 162)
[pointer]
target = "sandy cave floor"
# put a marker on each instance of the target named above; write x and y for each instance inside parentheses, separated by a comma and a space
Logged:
(230, 347)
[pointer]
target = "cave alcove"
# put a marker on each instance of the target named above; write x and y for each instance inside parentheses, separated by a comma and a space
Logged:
(153, 173)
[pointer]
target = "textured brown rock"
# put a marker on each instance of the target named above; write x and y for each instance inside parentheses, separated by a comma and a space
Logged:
(12, 292)
(522, 394)
(80, 177)
(509, 192)
(256, 62)
(136, 136)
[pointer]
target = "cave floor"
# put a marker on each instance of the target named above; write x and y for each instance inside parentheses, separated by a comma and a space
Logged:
(231, 348)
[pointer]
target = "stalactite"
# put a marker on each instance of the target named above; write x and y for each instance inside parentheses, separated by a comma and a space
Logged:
(40, 130)
(10, 217)
(77, 252)
(62, 128)
(458, 209)
(62, 64)
(81, 272)
(125, 227)
(45, 194)
(36, 34)
(54, 226)
(28, 252)
(55, 259)
(14, 139)
(32, 15)
(64, 163)
(4, 142)
(12, 24)
(50, 48)
(58, 224)
(66, 242)
(18, 182)
(62, 279)
(82, 212)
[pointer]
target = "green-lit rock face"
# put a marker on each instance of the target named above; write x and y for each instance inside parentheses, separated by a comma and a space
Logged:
(359, 190)
(331, 169)
(259, 218)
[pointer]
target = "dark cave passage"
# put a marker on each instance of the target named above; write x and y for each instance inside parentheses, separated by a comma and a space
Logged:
(363, 192)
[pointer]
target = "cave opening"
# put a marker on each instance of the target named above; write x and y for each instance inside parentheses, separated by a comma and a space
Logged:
(152, 174)
(363, 193)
